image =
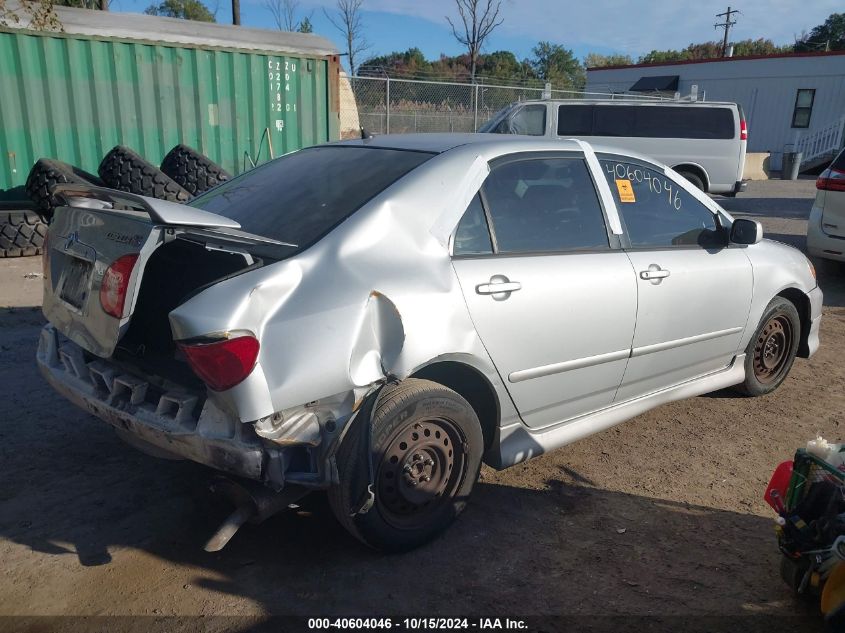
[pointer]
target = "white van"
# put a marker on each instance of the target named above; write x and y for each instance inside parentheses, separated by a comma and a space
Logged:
(703, 141)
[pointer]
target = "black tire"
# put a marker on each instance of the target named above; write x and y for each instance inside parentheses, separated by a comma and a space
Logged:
(21, 233)
(771, 351)
(125, 170)
(47, 172)
(192, 170)
(695, 179)
(433, 419)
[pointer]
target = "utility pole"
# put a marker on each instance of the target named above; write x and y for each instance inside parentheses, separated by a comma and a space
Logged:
(236, 11)
(727, 24)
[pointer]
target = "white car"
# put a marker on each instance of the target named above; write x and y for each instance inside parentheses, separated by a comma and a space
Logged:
(826, 228)
(377, 317)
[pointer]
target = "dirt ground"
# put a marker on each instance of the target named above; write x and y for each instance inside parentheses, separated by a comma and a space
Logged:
(661, 516)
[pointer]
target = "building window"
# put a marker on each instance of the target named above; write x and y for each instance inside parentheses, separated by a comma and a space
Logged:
(803, 107)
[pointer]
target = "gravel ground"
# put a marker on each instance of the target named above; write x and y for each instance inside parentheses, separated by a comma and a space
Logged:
(661, 516)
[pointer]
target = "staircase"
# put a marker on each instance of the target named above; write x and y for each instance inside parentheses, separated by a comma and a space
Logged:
(821, 146)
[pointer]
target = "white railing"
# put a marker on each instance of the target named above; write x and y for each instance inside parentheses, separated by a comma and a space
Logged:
(823, 142)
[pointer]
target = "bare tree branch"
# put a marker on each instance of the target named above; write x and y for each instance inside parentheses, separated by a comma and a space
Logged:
(479, 18)
(346, 18)
(284, 13)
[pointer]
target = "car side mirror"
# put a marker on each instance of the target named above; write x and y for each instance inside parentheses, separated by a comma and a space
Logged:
(746, 231)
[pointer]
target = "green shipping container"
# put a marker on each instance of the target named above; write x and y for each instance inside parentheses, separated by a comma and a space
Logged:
(237, 95)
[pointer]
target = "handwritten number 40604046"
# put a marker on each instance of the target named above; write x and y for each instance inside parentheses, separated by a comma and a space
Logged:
(656, 184)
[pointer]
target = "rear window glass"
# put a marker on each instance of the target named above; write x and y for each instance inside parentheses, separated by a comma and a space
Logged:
(300, 197)
(664, 122)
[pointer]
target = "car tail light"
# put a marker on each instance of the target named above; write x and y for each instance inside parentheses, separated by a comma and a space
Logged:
(831, 180)
(116, 283)
(743, 130)
(223, 364)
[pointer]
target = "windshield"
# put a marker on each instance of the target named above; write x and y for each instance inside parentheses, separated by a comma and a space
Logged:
(300, 197)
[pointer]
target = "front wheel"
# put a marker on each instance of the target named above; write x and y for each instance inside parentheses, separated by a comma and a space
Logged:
(771, 351)
(426, 454)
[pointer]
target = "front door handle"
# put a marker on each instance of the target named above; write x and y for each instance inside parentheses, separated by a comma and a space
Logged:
(654, 274)
(499, 286)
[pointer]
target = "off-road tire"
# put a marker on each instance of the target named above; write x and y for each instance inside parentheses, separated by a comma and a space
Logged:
(695, 179)
(192, 170)
(400, 409)
(125, 170)
(47, 172)
(780, 314)
(21, 233)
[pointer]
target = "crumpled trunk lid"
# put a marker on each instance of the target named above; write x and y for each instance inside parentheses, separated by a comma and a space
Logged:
(85, 238)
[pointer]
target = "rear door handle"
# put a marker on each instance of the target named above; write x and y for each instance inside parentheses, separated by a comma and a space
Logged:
(496, 288)
(654, 274)
(499, 286)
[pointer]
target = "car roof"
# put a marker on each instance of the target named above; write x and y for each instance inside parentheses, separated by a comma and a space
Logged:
(622, 101)
(443, 142)
(493, 144)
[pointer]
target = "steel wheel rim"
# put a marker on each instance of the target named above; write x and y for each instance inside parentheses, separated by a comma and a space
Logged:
(420, 472)
(771, 350)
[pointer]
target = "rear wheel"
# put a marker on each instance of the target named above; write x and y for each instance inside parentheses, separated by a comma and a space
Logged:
(426, 453)
(771, 351)
(695, 179)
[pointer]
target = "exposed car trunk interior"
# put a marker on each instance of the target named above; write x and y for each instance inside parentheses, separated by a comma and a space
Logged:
(174, 273)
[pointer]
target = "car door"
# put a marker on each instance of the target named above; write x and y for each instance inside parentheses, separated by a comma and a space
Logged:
(693, 289)
(552, 300)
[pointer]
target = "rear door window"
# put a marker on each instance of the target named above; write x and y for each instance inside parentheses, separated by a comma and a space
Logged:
(300, 197)
(657, 212)
(544, 205)
(473, 236)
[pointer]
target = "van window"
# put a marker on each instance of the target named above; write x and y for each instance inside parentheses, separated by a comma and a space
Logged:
(529, 120)
(575, 120)
(664, 122)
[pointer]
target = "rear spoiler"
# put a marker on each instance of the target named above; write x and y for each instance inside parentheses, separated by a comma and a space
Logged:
(160, 211)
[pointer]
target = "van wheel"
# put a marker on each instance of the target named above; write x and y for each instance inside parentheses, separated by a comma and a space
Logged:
(426, 454)
(771, 351)
(695, 179)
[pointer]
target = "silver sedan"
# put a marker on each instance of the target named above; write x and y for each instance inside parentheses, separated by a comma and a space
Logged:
(378, 317)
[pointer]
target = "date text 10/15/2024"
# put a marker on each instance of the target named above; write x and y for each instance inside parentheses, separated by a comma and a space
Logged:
(421, 623)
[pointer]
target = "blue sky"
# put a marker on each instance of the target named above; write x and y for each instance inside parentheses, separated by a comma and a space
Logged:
(603, 26)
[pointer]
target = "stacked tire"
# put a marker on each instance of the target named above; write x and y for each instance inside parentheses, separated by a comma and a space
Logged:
(22, 233)
(184, 173)
(124, 170)
(193, 171)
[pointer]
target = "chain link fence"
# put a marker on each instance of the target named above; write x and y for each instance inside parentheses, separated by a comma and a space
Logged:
(400, 106)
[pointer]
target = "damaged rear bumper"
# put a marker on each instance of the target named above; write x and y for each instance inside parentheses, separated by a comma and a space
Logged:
(177, 422)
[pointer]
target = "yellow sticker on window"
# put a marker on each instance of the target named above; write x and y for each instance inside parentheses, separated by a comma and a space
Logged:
(626, 191)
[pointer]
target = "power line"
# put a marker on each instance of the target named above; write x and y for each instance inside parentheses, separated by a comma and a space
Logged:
(727, 24)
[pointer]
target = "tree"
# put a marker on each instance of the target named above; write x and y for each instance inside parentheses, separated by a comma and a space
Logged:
(347, 19)
(555, 64)
(185, 9)
(284, 15)
(596, 60)
(760, 46)
(39, 15)
(830, 36)
(479, 19)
